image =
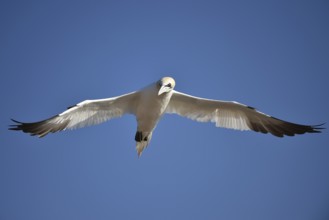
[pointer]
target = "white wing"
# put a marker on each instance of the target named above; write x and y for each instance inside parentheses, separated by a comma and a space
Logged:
(233, 115)
(89, 112)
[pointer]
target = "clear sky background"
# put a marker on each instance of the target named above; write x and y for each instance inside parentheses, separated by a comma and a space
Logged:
(273, 55)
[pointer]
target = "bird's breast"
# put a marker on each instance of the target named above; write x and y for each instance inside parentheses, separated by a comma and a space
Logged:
(150, 110)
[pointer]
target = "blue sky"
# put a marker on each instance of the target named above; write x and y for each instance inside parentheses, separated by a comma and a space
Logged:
(273, 55)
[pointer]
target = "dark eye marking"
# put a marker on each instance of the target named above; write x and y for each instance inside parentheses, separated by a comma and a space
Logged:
(168, 85)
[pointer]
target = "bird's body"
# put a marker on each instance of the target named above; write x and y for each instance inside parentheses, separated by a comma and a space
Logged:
(150, 103)
(149, 99)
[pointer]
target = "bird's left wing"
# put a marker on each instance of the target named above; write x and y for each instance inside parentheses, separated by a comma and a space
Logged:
(233, 115)
(88, 112)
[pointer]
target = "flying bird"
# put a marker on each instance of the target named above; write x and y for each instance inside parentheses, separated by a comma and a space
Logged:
(156, 99)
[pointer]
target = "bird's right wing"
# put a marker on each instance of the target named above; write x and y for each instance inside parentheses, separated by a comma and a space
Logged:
(233, 115)
(88, 112)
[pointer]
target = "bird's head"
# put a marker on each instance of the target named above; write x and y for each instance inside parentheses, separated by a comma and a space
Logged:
(165, 85)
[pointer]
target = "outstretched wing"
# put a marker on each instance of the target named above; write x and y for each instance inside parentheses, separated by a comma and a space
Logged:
(89, 112)
(234, 115)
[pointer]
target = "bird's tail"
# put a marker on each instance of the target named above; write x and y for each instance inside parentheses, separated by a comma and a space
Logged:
(142, 140)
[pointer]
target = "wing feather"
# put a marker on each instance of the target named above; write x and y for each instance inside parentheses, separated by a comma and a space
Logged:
(86, 113)
(234, 115)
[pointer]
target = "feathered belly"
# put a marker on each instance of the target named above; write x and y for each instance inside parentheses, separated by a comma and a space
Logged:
(149, 113)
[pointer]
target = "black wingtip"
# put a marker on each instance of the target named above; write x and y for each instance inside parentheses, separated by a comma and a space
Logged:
(39, 128)
(317, 128)
(16, 121)
(16, 127)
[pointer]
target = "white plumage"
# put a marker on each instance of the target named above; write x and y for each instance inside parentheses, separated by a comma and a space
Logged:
(151, 102)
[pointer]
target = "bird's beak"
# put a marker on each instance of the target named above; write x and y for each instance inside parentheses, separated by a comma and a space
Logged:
(162, 90)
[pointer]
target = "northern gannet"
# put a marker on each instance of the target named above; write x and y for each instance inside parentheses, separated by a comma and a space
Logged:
(151, 102)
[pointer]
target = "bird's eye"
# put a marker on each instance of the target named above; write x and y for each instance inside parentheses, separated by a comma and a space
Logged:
(168, 85)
